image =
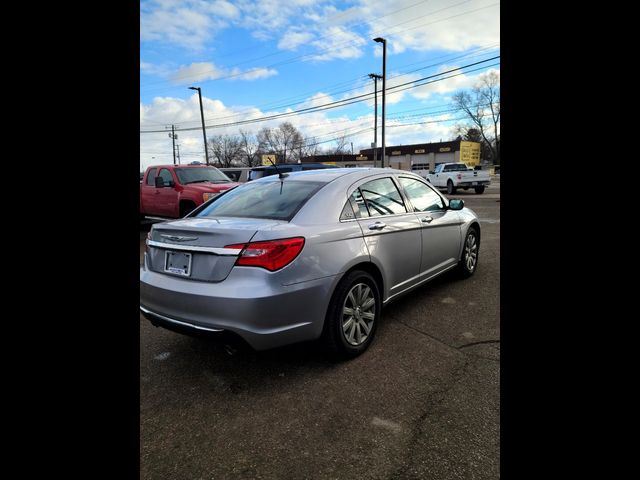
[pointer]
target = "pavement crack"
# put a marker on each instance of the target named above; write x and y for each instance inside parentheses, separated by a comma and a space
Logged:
(428, 335)
(482, 342)
(434, 399)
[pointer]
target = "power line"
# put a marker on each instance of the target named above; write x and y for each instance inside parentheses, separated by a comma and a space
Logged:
(363, 81)
(338, 103)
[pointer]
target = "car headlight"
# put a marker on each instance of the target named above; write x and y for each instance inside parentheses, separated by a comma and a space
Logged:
(207, 196)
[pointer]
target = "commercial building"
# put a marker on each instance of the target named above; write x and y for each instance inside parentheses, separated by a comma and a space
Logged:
(403, 157)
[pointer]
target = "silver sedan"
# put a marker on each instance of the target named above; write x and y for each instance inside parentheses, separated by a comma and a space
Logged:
(304, 255)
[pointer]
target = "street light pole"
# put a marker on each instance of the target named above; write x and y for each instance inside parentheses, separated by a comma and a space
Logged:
(375, 122)
(204, 133)
(384, 88)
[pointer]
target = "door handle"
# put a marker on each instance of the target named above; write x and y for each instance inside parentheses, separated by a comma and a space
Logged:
(377, 226)
(426, 219)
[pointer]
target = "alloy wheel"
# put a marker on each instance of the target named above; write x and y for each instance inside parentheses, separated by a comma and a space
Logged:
(358, 314)
(471, 252)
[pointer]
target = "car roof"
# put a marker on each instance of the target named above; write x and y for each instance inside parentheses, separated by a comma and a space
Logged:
(330, 174)
(169, 165)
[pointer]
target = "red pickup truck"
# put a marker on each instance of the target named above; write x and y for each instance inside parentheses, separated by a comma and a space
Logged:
(172, 191)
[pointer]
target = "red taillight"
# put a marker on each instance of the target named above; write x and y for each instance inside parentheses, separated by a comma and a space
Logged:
(272, 255)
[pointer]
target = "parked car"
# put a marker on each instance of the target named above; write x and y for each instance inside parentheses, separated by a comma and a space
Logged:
(265, 171)
(237, 174)
(172, 191)
(311, 254)
(457, 175)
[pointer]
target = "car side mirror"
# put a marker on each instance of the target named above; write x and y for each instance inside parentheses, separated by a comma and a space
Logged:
(159, 182)
(456, 204)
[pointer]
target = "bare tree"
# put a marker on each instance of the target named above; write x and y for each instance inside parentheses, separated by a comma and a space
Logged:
(285, 141)
(250, 147)
(482, 107)
(310, 147)
(341, 145)
(226, 149)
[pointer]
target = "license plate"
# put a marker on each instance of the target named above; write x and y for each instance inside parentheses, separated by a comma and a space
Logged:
(178, 263)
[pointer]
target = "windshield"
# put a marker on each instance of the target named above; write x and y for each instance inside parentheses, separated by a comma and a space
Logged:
(196, 175)
(275, 200)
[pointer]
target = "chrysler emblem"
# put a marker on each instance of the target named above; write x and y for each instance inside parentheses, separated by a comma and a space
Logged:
(176, 238)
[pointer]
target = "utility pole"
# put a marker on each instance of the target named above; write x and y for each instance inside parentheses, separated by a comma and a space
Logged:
(204, 133)
(384, 88)
(375, 123)
(178, 148)
(173, 136)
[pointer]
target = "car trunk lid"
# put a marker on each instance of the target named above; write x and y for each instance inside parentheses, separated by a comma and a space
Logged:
(194, 248)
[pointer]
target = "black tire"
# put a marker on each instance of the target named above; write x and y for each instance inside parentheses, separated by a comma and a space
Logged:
(451, 190)
(467, 268)
(186, 208)
(479, 189)
(334, 335)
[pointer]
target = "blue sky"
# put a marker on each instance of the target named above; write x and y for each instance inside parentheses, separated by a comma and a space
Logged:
(258, 58)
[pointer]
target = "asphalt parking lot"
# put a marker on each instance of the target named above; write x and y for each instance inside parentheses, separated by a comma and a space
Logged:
(422, 403)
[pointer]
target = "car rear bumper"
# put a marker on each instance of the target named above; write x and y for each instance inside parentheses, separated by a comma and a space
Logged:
(263, 314)
(474, 183)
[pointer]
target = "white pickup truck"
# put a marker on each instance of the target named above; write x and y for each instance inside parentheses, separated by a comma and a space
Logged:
(457, 175)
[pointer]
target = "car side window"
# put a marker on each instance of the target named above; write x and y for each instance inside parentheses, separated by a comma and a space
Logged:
(166, 176)
(347, 212)
(358, 207)
(382, 197)
(421, 196)
(151, 177)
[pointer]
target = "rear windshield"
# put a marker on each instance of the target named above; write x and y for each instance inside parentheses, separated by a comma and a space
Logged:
(275, 200)
(199, 175)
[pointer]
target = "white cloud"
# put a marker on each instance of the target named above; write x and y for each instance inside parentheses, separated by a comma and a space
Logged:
(338, 43)
(292, 40)
(433, 25)
(448, 85)
(224, 9)
(153, 69)
(201, 71)
(184, 24)
(254, 73)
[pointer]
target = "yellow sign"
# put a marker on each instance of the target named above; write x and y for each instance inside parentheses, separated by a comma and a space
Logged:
(268, 159)
(470, 153)
(445, 149)
(361, 157)
(419, 150)
(396, 152)
(329, 163)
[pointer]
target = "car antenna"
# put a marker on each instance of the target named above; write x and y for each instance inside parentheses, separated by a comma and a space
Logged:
(281, 175)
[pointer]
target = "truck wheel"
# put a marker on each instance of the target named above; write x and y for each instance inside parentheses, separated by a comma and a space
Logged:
(479, 189)
(451, 190)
